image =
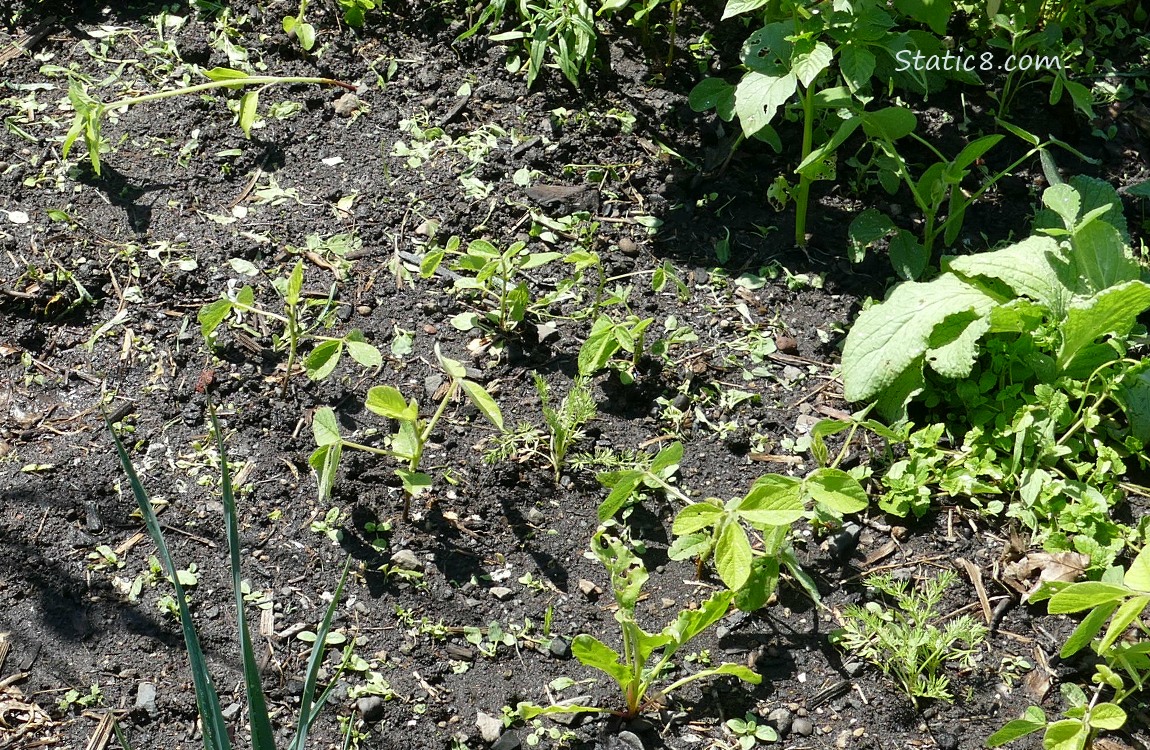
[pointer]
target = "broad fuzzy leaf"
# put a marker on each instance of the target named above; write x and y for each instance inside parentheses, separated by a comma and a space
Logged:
(758, 97)
(1112, 311)
(888, 338)
(1027, 267)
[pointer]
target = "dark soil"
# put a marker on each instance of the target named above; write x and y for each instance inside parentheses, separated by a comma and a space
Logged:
(174, 188)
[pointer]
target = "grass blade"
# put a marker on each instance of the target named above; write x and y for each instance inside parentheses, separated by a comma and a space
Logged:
(207, 700)
(309, 709)
(262, 736)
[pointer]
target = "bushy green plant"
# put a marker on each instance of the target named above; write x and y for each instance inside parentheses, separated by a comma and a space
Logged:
(564, 425)
(213, 724)
(906, 641)
(631, 670)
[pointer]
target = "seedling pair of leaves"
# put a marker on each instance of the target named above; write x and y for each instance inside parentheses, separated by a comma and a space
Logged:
(608, 337)
(324, 357)
(713, 529)
(1115, 603)
(90, 112)
(410, 439)
(630, 670)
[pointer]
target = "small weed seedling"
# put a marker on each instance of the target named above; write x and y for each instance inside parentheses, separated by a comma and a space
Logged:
(631, 670)
(905, 641)
(408, 442)
(324, 357)
(297, 27)
(564, 428)
(750, 731)
(90, 113)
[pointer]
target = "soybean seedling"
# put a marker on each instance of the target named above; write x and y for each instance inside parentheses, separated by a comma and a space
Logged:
(409, 441)
(90, 112)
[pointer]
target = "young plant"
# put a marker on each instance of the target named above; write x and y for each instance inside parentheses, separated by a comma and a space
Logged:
(324, 357)
(630, 670)
(905, 641)
(491, 274)
(750, 731)
(213, 725)
(1123, 653)
(90, 112)
(564, 427)
(408, 442)
(297, 27)
(607, 337)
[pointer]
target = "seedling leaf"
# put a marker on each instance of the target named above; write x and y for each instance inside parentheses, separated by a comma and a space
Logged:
(323, 359)
(836, 490)
(484, 402)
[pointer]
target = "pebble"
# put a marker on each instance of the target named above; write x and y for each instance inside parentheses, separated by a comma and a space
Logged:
(843, 739)
(490, 728)
(405, 559)
(844, 543)
(589, 589)
(363, 309)
(786, 344)
(803, 727)
(507, 741)
(146, 698)
(627, 246)
(781, 719)
(560, 648)
(945, 740)
(502, 593)
(231, 712)
(370, 707)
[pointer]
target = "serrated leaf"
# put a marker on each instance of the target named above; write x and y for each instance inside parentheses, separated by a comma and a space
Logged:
(888, 338)
(322, 360)
(1111, 311)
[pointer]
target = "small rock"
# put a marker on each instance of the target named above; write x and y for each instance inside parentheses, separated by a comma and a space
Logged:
(507, 741)
(843, 739)
(786, 344)
(347, 105)
(502, 593)
(405, 559)
(781, 719)
(627, 246)
(431, 385)
(844, 543)
(146, 698)
(852, 668)
(545, 331)
(490, 728)
(430, 329)
(560, 648)
(803, 727)
(536, 517)
(231, 712)
(946, 740)
(589, 589)
(363, 309)
(370, 707)
(623, 741)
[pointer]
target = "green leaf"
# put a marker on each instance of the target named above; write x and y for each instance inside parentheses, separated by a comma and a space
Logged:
(1012, 731)
(733, 556)
(1064, 201)
(738, 7)
(1109, 716)
(1127, 612)
(224, 74)
(305, 33)
(889, 123)
(294, 285)
(211, 315)
(809, 59)
(249, 104)
(387, 401)
(600, 345)
(758, 97)
(363, 352)
(866, 228)
(1100, 257)
(934, 13)
(484, 402)
(667, 460)
(907, 255)
(1068, 734)
(763, 581)
(1111, 311)
(323, 359)
(713, 93)
(624, 485)
(1087, 629)
(591, 652)
(1085, 595)
(696, 517)
(1027, 267)
(415, 483)
(325, 426)
(888, 338)
(692, 622)
(856, 63)
(773, 500)
(453, 368)
(836, 490)
(1137, 575)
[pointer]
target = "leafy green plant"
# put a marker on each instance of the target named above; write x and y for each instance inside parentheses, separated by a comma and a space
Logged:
(630, 670)
(905, 641)
(355, 11)
(750, 731)
(560, 31)
(324, 357)
(609, 336)
(564, 427)
(213, 724)
(1116, 603)
(408, 442)
(297, 27)
(490, 274)
(90, 112)
(626, 484)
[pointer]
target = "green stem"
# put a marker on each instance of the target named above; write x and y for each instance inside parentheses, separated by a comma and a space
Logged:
(367, 448)
(803, 195)
(226, 83)
(293, 334)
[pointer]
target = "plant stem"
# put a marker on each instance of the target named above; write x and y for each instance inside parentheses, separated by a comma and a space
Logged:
(803, 195)
(226, 83)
